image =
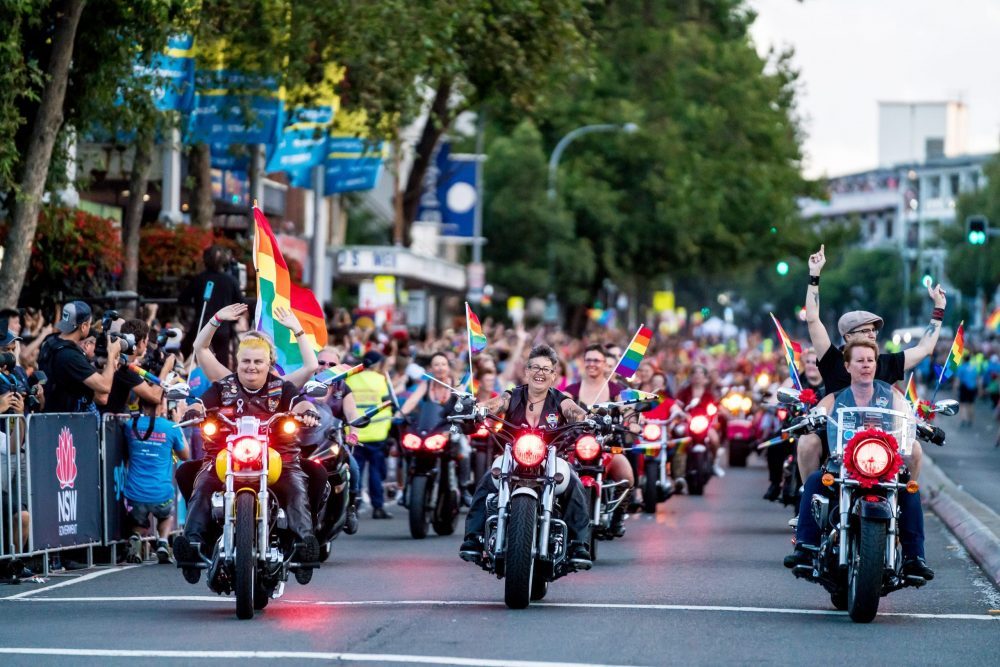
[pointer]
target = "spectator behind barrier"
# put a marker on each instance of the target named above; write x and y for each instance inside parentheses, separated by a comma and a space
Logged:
(126, 381)
(72, 381)
(11, 570)
(153, 440)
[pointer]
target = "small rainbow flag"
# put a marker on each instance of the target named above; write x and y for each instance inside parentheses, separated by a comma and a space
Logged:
(630, 361)
(911, 391)
(630, 395)
(993, 321)
(275, 288)
(790, 347)
(954, 358)
(477, 339)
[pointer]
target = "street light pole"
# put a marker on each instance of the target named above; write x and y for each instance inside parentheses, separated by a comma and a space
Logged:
(551, 307)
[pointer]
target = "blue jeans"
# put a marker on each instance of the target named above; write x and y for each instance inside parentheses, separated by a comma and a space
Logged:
(355, 474)
(911, 518)
(372, 453)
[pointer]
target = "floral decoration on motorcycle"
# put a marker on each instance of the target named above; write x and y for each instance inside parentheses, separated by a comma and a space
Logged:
(808, 397)
(872, 457)
(925, 412)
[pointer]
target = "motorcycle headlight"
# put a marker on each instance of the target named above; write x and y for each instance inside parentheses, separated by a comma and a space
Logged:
(209, 428)
(289, 426)
(529, 450)
(872, 458)
(412, 442)
(247, 451)
(746, 404)
(699, 424)
(651, 432)
(587, 448)
(436, 442)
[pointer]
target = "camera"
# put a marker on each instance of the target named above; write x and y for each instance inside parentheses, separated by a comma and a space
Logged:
(101, 345)
(155, 353)
(11, 382)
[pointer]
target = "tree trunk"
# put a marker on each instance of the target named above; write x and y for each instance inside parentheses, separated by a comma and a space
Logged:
(45, 128)
(437, 122)
(137, 186)
(200, 168)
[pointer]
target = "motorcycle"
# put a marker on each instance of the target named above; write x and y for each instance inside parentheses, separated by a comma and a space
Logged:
(430, 446)
(699, 459)
(526, 541)
(774, 420)
(859, 559)
(739, 427)
(657, 449)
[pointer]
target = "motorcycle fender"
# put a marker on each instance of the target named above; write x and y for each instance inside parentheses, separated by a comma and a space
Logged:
(497, 463)
(562, 468)
(524, 491)
(698, 449)
(879, 511)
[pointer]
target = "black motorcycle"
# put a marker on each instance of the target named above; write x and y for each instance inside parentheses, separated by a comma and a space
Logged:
(429, 447)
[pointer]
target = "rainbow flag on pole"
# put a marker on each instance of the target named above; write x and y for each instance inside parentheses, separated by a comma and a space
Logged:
(477, 339)
(954, 354)
(993, 321)
(911, 391)
(275, 289)
(790, 347)
(633, 355)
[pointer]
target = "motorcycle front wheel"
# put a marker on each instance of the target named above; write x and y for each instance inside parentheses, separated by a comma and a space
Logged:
(865, 570)
(244, 562)
(418, 507)
(650, 489)
(521, 530)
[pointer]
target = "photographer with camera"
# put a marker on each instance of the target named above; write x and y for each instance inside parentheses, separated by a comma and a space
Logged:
(72, 381)
(208, 292)
(134, 336)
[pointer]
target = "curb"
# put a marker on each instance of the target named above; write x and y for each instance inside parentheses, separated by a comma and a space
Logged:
(975, 525)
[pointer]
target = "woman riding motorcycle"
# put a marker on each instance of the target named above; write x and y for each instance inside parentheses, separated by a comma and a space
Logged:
(538, 405)
(694, 398)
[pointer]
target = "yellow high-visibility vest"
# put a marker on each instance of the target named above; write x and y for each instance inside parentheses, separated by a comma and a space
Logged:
(370, 389)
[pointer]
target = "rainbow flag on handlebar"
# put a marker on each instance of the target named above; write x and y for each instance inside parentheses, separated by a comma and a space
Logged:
(911, 392)
(791, 348)
(635, 395)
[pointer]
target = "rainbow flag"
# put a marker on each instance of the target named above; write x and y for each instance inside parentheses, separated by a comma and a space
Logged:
(954, 354)
(633, 355)
(911, 391)
(275, 289)
(477, 339)
(993, 321)
(629, 395)
(790, 347)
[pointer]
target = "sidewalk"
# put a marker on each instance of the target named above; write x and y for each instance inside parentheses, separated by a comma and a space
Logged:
(961, 482)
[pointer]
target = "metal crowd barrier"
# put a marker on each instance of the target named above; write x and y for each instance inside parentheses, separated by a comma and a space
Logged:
(67, 471)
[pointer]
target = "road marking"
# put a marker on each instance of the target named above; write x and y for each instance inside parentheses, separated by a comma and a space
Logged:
(76, 580)
(295, 655)
(489, 603)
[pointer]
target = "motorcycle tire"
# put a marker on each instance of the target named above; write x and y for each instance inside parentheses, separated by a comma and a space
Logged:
(539, 587)
(739, 451)
(261, 596)
(522, 528)
(839, 599)
(419, 518)
(864, 574)
(696, 483)
(650, 489)
(446, 514)
(325, 551)
(245, 561)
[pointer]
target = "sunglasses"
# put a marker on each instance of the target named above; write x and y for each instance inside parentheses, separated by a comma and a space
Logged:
(328, 363)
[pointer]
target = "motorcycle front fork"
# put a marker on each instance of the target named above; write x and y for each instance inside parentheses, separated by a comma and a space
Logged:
(890, 538)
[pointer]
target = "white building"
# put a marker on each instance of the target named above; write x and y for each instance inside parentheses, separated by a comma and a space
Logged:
(914, 132)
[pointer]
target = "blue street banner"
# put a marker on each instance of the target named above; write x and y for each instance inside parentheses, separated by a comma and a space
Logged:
(302, 144)
(176, 68)
(233, 157)
(352, 164)
(451, 193)
(223, 114)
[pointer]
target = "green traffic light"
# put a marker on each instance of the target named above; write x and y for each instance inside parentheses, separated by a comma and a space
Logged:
(782, 268)
(977, 238)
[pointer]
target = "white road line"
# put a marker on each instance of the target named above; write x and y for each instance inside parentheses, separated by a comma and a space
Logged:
(294, 655)
(490, 603)
(75, 580)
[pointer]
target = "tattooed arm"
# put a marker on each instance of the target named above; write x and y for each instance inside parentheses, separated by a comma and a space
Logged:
(572, 412)
(929, 339)
(498, 404)
(818, 336)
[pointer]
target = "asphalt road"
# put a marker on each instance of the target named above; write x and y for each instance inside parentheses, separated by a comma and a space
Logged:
(701, 583)
(970, 457)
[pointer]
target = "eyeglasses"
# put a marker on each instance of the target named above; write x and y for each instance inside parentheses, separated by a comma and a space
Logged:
(328, 363)
(593, 361)
(865, 332)
(542, 370)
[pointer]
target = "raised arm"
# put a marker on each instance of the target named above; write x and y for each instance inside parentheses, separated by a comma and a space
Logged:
(514, 359)
(310, 364)
(929, 339)
(414, 399)
(210, 365)
(818, 336)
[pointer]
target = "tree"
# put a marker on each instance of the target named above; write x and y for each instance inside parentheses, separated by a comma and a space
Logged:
(974, 267)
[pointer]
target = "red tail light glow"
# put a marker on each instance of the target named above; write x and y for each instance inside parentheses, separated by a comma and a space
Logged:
(436, 442)
(699, 424)
(782, 413)
(247, 450)
(587, 448)
(872, 458)
(651, 432)
(412, 442)
(529, 450)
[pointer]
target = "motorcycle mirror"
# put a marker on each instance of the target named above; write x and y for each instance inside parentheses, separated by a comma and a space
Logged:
(947, 407)
(788, 395)
(178, 391)
(644, 406)
(314, 389)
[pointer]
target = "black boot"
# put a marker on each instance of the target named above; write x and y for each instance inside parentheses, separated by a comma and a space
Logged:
(307, 552)
(773, 492)
(186, 552)
(351, 522)
(579, 556)
(915, 566)
(472, 548)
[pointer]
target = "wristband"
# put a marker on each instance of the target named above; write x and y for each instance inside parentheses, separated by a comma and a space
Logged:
(937, 314)
(300, 332)
(814, 281)
(215, 322)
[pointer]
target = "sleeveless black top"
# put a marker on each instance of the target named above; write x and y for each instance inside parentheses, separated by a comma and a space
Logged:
(550, 410)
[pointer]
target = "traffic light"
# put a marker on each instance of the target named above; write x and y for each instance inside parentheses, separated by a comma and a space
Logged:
(977, 229)
(782, 268)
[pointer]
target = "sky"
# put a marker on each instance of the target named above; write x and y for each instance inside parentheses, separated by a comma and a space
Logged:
(851, 54)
